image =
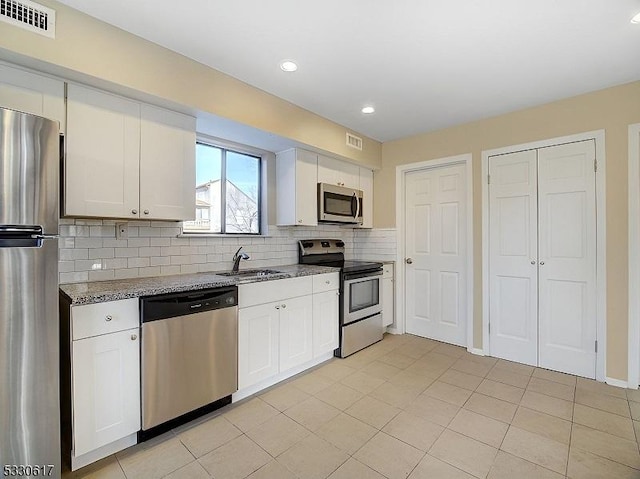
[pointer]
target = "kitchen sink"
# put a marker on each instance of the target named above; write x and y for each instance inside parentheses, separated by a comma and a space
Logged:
(251, 273)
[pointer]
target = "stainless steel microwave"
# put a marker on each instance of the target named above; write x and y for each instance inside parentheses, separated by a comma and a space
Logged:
(339, 204)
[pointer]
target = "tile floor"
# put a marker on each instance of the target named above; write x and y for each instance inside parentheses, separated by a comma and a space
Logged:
(405, 407)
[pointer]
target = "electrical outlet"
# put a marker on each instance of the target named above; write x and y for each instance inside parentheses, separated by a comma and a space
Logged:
(122, 231)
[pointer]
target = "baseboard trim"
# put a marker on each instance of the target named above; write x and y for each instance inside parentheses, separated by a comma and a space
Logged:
(616, 382)
(264, 384)
(476, 351)
(92, 456)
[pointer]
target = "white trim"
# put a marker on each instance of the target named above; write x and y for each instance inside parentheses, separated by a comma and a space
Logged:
(476, 351)
(264, 384)
(619, 383)
(401, 171)
(103, 451)
(634, 256)
(601, 241)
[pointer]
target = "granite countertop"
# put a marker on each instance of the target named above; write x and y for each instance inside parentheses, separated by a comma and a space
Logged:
(101, 291)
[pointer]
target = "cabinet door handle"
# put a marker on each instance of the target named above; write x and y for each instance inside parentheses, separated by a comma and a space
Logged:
(408, 261)
(146, 212)
(327, 282)
(284, 306)
(134, 212)
(134, 337)
(299, 221)
(277, 307)
(108, 317)
(541, 263)
(533, 261)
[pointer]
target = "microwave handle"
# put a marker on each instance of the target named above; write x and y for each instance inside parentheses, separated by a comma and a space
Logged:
(358, 212)
(354, 205)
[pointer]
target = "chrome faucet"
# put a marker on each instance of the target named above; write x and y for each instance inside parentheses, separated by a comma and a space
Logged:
(236, 259)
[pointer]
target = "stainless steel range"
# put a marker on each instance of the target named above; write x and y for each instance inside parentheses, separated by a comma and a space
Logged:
(360, 281)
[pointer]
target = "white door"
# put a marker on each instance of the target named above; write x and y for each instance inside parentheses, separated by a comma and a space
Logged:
(513, 255)
(567, 258)
(167, 164)
(258, 338)
(435, 232)
(325, 322)
(296, 331)
(542, 257)
(106, 389)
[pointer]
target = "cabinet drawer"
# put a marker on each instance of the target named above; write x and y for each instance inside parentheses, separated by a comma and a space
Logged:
(269, 291)
(325, 282)
(101, 318)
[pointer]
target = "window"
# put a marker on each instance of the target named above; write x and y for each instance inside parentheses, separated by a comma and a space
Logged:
(227, 192)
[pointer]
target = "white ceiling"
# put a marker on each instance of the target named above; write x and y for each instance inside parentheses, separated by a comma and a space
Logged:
(423, 64)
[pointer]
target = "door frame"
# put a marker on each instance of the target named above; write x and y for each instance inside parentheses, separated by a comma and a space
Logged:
(601, 237)
(633, 371)
(401, 172)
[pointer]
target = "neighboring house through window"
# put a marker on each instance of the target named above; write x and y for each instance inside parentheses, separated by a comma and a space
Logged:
(227, 192)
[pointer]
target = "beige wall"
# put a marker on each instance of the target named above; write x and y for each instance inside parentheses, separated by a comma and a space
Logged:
(97, 51)
(612, 109)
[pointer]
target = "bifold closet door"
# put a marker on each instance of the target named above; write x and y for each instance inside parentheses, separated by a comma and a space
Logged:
(513, 288)
(542, 257)
(436, 239)
(567, 258)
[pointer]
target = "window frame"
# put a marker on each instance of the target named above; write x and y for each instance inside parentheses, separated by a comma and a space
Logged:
(242, 150)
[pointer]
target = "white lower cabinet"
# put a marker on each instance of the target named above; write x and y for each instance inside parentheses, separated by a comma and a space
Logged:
(388, 294)
(106, 389)
(325, 322)
(278, 337)
(258, 343)
(295, 332)
(101, 387)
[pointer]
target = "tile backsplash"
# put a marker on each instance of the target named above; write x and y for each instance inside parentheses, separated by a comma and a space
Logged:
(89, 250)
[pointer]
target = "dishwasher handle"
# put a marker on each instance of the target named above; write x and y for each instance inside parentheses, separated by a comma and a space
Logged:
(153, 308)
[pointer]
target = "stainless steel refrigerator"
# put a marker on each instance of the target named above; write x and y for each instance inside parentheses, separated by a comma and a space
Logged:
(29, 344)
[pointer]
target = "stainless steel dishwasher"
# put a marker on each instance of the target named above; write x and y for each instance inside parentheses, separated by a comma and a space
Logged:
(189, 351)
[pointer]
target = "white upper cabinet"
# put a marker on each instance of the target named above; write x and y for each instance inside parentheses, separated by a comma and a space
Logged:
(366, 185)
(32, 93)
(297, 188)
(338, 172)
(127, 160)
(167, 164)
(102, 155)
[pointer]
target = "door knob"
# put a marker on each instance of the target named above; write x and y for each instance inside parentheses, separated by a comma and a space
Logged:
(284, 306)
(134, 212)
(134, 337)
(541, 263)
(408, 261)
(146, 212)
(533, 261)
(108, 317)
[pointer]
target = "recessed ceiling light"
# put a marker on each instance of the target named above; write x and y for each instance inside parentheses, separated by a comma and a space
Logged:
(636, 18)
(368, 109)
(288, 66)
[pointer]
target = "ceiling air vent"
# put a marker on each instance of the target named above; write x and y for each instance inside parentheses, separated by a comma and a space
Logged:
(354, 142)
(30, 16)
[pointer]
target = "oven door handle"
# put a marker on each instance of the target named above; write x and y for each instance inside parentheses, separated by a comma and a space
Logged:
(351, 277)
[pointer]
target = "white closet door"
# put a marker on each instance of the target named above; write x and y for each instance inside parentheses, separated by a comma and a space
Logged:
(513, 300)
(436, 243)
(567, 258)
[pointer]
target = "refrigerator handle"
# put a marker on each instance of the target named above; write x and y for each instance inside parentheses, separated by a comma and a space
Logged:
(45, 237)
